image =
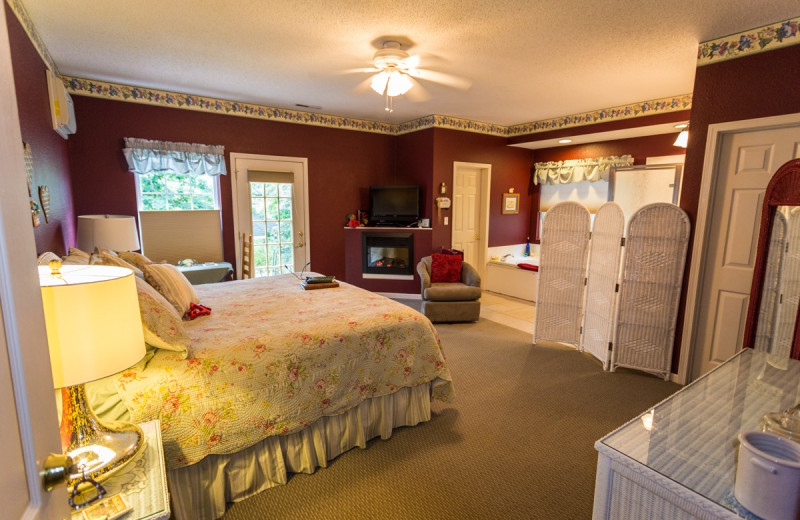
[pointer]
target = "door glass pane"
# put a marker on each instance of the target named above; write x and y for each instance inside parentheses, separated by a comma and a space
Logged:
(272, 212)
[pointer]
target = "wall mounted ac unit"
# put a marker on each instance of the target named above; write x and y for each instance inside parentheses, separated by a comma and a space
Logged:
(61, 108)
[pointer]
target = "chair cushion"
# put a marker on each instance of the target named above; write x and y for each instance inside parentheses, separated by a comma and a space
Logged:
(445, 268)
(451, 292)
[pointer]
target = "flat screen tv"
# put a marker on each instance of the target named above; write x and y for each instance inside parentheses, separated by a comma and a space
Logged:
(394, 205)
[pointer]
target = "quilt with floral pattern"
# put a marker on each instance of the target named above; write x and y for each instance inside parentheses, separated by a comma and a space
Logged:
(272, 358)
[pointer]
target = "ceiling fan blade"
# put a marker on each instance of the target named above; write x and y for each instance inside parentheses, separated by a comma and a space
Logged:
(410, 63)
(440, 77)
(417, 93)
(360, 70)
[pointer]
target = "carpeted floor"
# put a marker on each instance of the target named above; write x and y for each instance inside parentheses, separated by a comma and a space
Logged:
(518, 442)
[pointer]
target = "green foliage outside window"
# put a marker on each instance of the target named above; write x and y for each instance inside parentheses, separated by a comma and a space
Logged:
(273, 242)
(169, 191)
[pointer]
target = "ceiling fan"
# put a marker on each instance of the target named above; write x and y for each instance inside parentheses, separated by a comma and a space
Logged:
(397, 72)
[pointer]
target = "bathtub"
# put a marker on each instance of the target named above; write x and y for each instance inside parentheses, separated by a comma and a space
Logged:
(504, 277)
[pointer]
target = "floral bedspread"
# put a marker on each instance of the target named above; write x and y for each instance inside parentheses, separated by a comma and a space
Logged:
(273, 358)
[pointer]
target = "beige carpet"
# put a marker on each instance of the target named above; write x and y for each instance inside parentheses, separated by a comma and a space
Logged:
(517, 443)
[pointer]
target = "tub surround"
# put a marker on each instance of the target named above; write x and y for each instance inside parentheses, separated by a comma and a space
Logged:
(503, 276)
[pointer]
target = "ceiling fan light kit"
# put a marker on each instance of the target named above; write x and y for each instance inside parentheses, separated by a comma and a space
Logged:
(395, 68)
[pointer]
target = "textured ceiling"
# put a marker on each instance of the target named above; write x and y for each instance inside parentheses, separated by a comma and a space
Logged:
(527, 60)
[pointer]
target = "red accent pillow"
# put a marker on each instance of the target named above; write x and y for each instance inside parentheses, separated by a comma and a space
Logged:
(445, 268)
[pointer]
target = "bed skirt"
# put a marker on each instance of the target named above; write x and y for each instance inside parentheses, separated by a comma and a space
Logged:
(202, 491)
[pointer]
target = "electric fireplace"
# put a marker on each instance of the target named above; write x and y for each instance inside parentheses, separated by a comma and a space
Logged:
(387, 253)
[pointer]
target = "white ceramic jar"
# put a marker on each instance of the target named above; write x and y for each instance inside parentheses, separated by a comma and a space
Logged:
(768, 476)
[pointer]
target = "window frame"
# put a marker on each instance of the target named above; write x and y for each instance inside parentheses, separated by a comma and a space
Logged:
(217, 205)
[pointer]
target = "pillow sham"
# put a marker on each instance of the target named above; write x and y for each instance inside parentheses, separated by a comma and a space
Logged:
(105, 258)
(172, 285)
(137, 259)
(445, 268)
(162, 326)
(46, 257)
(76, 257)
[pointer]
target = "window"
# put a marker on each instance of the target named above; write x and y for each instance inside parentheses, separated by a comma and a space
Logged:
(273, 243)
(170, 191)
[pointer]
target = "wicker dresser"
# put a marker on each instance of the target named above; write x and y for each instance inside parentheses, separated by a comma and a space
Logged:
(677, 461)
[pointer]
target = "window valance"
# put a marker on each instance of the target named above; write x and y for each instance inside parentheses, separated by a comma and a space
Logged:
(565, 172)
(145, 156)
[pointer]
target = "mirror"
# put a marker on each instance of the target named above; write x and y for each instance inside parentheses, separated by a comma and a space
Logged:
(772, 315)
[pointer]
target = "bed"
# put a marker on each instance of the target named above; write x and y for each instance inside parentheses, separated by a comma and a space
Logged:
(277, 380)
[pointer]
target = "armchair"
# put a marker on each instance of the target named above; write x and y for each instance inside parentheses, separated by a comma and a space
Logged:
(450, 301)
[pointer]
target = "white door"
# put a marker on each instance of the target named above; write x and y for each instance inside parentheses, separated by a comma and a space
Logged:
(747, 161)
(27, 398)
(470, 225)
(270, 200)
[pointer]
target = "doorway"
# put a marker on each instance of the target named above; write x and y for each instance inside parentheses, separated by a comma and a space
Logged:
(470, 231)
(270, 202)
(741, 158)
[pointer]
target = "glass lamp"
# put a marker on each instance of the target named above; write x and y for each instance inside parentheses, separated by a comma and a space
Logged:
(94, 330)
(114, 232)
(683, 138)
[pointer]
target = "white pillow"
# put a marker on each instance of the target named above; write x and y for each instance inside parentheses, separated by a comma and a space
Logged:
(172, 285)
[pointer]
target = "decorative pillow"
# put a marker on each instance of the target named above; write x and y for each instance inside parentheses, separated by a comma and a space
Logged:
(137, 259)
(445, 268)
(162, 326)
(172, 285)
(105, 258)
(45, 258)
(76, 257)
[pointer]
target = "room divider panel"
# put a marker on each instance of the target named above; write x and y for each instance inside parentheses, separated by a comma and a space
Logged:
(562, 268)
(605, 253)
(650, 286)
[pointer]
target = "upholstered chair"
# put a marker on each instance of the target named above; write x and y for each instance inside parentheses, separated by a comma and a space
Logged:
(449, 301)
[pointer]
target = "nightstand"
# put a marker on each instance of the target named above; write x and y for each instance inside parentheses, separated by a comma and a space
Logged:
(143, 482)
(208, 272)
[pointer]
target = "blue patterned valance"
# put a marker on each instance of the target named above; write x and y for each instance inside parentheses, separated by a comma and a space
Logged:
(145, 156)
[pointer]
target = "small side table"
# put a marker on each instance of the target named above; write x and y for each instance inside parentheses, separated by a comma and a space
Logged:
(143, 482)
(208, 272)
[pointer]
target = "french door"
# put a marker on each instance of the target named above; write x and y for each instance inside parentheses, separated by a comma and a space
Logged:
(270, 203)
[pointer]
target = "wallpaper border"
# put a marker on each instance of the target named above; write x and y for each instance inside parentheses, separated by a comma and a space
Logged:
(752, 41)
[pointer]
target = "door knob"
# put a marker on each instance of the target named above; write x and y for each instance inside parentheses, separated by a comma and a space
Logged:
(300, 244)
(476, 237)
(55, 470)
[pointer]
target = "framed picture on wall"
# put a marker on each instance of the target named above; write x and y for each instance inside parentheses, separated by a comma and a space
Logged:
(510, 203)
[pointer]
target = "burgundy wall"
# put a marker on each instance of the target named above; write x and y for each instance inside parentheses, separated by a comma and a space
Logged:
(510, 168)
(639, 147)
(760, 85)
(49, 150)
(342, 164)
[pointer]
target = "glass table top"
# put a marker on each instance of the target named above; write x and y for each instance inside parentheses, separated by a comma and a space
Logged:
(691, 437)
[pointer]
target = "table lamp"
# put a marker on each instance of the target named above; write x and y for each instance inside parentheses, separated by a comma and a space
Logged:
(114, 232)
(94, 330)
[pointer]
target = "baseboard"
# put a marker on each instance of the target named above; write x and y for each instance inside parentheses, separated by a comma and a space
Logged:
(401, 296)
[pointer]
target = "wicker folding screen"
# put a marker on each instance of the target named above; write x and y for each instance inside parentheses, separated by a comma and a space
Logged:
(562, 268)
(789, 286)
(650, 287)
(605, 252)
(771, 290)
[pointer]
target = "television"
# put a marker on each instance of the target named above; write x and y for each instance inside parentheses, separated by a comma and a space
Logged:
(394, 205)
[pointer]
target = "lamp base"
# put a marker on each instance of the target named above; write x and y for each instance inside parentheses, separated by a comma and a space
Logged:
(97, 449)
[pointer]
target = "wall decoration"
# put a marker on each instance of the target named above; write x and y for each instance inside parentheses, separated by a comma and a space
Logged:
(35, 213)
(44, 198)
(510, 203)
(28, 166)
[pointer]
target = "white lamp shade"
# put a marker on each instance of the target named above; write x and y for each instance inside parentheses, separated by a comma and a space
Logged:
(683, 139)
(94, 328)
(114, 232)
